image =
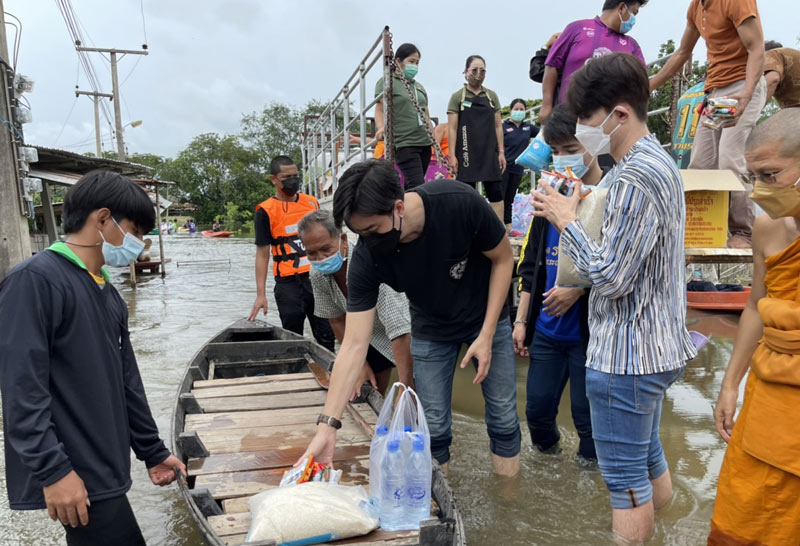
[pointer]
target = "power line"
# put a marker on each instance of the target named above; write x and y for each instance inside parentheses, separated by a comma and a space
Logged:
(131, 72)
(66, 121)
(17, 38)
(144, 25)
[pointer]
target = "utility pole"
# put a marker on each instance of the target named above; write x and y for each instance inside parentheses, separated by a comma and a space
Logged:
(15, 240)
(96, 99)
(115, 88)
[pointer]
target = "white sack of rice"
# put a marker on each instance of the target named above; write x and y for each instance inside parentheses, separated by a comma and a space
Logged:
(591, 211)
(317, 510)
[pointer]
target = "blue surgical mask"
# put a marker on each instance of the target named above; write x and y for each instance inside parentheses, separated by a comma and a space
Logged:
(410, 71)
(626, 26)
(573, 161)
(124, 254)
(517, 115)
(331, 264)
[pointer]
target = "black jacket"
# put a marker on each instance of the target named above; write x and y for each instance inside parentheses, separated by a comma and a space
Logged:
(73, 398)
(536, 69)
(533, 279)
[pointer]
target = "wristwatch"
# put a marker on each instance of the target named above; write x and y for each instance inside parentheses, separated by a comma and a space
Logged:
(330, 421)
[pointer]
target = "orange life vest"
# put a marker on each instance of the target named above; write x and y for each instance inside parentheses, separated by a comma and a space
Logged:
(288, 252)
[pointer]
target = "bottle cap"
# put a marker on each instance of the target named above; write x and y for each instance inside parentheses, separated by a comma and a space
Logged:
(382, 429)
(406, 428)
(393, 445)
(419, 444)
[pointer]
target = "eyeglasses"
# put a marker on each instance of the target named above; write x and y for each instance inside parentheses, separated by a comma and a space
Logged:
(476, 71)
(768, 178)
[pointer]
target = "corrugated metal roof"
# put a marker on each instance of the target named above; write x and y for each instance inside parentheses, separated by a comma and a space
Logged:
(52, 159)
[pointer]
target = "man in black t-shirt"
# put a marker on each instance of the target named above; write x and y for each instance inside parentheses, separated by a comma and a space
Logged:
(443, 246)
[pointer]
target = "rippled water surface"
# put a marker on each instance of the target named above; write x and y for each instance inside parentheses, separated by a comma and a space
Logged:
(554, 502)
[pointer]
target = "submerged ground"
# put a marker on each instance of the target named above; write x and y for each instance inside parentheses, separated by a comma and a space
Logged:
(554, 501)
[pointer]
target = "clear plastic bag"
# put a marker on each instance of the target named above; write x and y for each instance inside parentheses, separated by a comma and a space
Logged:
(378, 445)
(405, 485)
(309, 513)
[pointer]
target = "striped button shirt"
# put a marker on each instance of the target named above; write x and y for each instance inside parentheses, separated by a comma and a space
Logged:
(637, 307)
(392, 318)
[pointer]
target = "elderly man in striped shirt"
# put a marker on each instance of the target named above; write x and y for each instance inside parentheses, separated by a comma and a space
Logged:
(638, 344)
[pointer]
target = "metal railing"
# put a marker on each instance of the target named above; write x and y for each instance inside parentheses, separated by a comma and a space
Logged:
(327, 147)
(329, 142)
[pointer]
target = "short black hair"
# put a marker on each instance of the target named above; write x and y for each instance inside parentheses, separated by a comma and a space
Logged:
(279, 161)
(405, 51)
(772, 44)
(472, 58)
(608, 81)
(612, 4)
(560, 126)
(105, 189)
(518, 101)
(369, 187)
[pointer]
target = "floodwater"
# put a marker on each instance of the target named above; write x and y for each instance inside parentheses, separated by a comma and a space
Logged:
(555, 502)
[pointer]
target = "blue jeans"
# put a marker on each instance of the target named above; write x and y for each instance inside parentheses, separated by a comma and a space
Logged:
(552, 363)
(626, 412)
(434, 366)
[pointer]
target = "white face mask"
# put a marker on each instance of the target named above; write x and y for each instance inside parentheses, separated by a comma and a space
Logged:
(594, 139)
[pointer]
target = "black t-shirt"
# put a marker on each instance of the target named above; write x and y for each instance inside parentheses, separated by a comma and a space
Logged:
(263, 231)
(443, 272)
(515, 140)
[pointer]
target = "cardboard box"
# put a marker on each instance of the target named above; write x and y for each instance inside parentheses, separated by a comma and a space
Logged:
(707, 193)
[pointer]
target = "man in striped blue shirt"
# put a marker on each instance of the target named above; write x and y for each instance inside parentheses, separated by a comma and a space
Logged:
(638, 343)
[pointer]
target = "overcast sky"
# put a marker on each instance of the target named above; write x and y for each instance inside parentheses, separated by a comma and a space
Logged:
(211, 61)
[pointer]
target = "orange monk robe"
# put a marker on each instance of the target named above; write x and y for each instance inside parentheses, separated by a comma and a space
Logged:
(758, 497)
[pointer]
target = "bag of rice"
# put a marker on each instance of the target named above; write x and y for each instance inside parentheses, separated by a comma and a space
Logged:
(591, 212)
(311, 512)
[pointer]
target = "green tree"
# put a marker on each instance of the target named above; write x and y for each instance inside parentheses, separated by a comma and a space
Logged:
(661, 97)
(214, 170)
(276, 130)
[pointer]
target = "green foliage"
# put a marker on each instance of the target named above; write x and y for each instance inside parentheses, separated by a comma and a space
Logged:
(661, 97)
(215, 170)
(235, 219)
(276, 130)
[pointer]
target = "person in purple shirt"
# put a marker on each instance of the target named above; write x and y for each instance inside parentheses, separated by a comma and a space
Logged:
(588, 39)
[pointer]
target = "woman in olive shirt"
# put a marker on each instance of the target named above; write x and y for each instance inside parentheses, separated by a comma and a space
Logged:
(411, 141)
(476, 134)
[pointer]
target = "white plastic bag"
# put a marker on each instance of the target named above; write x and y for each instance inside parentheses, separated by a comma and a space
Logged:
(309, 513)
(591, 212)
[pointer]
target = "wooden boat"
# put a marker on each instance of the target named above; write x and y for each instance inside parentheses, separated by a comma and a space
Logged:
(245, 413)
(213, 234)
(718, 301)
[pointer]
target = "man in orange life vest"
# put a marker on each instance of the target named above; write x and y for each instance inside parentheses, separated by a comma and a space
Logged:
(276, 231)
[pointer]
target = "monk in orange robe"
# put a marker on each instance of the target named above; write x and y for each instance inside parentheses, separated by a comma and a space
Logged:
(758, 496)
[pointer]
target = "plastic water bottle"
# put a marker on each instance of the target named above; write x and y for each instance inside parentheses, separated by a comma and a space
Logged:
(405, 443)
(392, 487)
(418, 490)
(376, 449)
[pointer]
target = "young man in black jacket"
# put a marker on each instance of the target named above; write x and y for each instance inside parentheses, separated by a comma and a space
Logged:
(553, 320)
(73, 400)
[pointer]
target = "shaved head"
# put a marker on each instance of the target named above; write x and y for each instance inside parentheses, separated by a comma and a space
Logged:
(781, 131)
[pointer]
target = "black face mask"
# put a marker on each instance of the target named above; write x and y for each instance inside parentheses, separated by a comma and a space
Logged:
(291, 185)
(384, 244)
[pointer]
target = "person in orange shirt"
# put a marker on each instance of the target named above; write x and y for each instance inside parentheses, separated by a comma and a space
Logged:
(735, 42)
(758, 496)
(276, 234)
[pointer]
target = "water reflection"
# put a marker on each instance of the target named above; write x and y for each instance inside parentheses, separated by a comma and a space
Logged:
(554, 502)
